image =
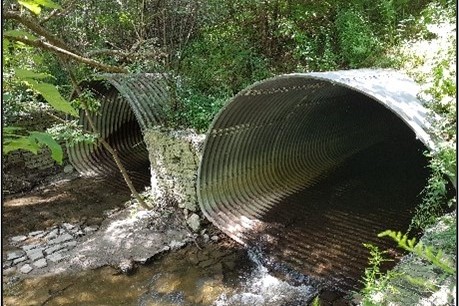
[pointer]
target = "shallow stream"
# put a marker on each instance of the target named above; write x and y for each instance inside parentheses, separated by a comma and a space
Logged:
(217, 274)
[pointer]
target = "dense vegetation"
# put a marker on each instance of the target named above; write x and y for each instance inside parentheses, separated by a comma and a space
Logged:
(210, 50)
(215, 48)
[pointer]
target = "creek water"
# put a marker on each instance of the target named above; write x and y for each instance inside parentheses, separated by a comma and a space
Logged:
(218, 274)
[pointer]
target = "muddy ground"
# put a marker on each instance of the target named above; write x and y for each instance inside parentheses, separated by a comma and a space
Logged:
(70, 199)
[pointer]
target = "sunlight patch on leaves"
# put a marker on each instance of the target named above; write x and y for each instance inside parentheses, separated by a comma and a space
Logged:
(35, 5)
(31, 6)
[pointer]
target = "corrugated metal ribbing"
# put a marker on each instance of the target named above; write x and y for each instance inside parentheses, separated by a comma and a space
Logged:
(270, 154)
(128, 105)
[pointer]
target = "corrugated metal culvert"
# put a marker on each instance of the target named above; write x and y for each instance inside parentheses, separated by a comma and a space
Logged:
(301, 168)
(305, 168)
(128, 105)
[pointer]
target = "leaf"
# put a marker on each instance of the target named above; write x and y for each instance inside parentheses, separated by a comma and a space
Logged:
(27, 74)
(47, 3)
(385, 233)
(46, 139)
(54, 98)
(20, 33)
(35, 5)
(31, 5)
(412, 242)
(23, 143)
(10, 129)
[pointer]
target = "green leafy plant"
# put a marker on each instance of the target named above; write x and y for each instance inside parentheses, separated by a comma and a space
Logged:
(35, 6)
(71, 132)
(436, 193)
(374, 280)
(381, 288)
(316, 301)
(30, 141)
(16, 138)
(48, 91)
(423, 251)
(356, 38)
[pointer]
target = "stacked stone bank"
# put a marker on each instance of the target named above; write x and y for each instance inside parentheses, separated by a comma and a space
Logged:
(37, 249)
(174, 158)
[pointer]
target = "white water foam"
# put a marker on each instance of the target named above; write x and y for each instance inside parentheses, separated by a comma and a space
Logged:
(261, 288)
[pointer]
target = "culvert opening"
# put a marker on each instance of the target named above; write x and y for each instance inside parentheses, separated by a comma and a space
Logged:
(306, 168)
(129, 104)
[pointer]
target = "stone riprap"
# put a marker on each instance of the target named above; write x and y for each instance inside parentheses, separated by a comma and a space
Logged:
(38, 248)
(174, 157)
(125, 238)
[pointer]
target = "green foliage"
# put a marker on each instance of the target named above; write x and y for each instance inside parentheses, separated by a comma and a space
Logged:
(53, 97)
(88, 97)
(381, 289)
(44, 139)
(425, 252)
(374, 279)
(220, 61)
(421, 282)
(47, 90)
(437, 191)
(440, 97)
(23, 92)
(35, 5)
(446, 238)
(442, 92)
(71, 132)
(214, 68)
(18, 98)
(198, 109)
(357, 41)
(32, 142)
(316, 301)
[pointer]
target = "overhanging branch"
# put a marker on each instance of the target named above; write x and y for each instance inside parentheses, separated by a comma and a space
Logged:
(57, 50)
(38, 29)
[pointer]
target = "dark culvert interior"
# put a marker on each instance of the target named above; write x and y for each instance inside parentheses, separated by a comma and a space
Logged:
(305, 173)
(116, 122)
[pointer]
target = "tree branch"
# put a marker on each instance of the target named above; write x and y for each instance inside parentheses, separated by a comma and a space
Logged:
(38, 29)
(103, 142)
(47, 46)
